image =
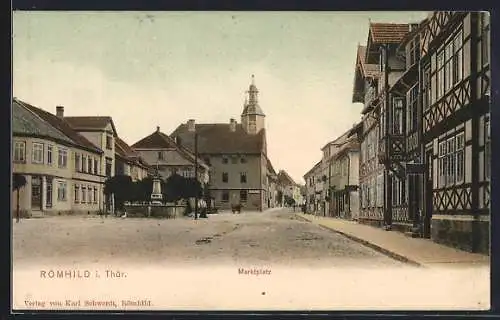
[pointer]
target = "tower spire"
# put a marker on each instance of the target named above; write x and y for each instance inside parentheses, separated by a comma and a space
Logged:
(253, 80)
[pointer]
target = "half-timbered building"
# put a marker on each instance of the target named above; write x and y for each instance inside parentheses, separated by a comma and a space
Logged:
(377, 68)
(455, 92)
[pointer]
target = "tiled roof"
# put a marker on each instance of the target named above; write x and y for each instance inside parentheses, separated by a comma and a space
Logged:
(284, 178)
(25, 121)
(217, 138)
(123, 149)
(63, 127)
(159, 140)
(83, 123)
(156, 140)
(126, 152)
(388, 32)
(311, 171)
(270, 167)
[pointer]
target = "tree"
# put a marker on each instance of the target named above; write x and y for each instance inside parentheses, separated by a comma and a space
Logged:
(122, 187)
(289, 200)
(18, 181)
(174, 188)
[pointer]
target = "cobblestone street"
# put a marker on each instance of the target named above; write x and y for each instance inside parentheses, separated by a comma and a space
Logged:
(272, 238)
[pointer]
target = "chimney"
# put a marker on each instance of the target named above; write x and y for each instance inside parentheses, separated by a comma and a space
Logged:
(191, 125)
(232, 125)
(60, 111)
(157, 128)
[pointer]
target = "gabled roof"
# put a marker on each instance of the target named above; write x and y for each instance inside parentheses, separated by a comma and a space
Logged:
(62, 126)
(388, 32)
(217, 138)
(311, 171)
(156, 140)
(90, 123)
(270, 167)
(284, 178)
(123, 150)
(363, 70)
(27, 122)
(368, 69)
(159, 140)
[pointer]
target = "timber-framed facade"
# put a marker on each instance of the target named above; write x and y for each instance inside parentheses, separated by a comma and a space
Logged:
(433, 126)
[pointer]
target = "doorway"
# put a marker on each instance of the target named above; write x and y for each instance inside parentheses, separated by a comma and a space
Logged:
(36, 194)
(428, 195)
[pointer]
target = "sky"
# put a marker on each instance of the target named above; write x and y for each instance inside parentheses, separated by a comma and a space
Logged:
(149, 69)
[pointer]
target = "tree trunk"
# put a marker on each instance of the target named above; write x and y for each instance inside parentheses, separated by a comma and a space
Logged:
(17, 209)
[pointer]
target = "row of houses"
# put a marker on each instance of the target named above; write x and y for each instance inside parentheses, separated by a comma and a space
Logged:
(425, 146)
(332, 184)
(66, 160)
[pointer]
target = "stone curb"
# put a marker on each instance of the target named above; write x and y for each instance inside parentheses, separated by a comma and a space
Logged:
(369, 244)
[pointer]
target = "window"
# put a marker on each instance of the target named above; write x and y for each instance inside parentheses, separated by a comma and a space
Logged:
(225, 196)
(487, 149)
(243, 160)
(451, 161)
(109, 142)
(373, 189)
(20, 151)
(160, 155)
(380, 190)
(89, 194)
(84, 194)
(95, 194)
(62, 159)
(449, 65)
(49, 154)
(458, 61)
(398, 191)
(252, 122)
(61, 191)
(78, 164)
(412, 99)
(243, 177)
(440, 75)
(225, 177)
(96, 166)
(397, 123)
(48, 193)
(77, 193)
(84, 164)
(109, 164)
(448, 79)
(460, 158)
(37, 156)
(89, 164)
(413, 53)
(243, 195)
(426, 88)
(224, 160)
